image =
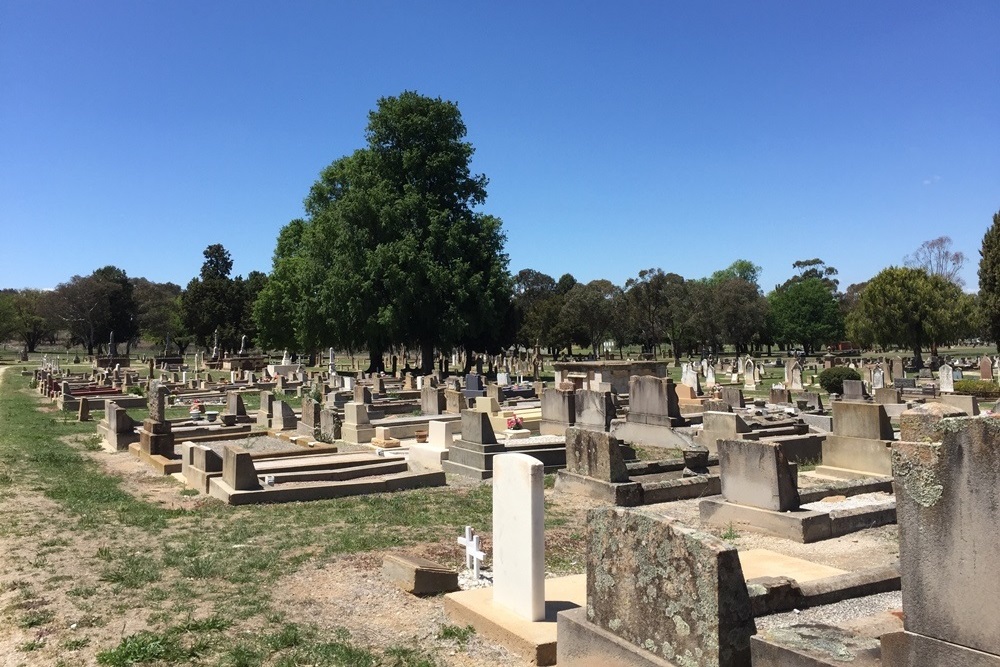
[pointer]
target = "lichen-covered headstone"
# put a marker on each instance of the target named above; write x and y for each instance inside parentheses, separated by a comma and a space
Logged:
(667, 588)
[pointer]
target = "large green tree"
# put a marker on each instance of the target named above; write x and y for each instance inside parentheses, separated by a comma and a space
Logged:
(91, 308)
(908, 307)
(989, 280)
(393, 249)
(215, 302)
(806, 312)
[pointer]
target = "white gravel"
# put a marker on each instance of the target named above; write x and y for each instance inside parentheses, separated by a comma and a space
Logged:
(834, 614)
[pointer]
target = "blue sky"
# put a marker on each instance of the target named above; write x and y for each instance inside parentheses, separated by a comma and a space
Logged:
(616, 136)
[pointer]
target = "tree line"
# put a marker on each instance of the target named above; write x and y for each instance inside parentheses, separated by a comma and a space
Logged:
(394, 253)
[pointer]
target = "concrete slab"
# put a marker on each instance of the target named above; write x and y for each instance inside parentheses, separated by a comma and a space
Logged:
(767, 563)
(535, 641)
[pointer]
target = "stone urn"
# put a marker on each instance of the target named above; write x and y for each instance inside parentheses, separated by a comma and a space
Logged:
(421, 436)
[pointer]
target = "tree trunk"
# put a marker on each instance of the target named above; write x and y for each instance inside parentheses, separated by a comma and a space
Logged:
(918, 358)
(375, 362)
(426, 358)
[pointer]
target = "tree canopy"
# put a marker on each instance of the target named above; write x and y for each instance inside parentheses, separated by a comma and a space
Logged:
(910, 308)
(989, 280)
(392, 249)
(806, 312)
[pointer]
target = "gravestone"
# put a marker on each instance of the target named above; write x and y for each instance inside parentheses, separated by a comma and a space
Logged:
(946, 378)
(477, 428)
(797, 377)
(749, 374)
(432, 400)
(904, 383)
(689, 377)
(362, 394)
(854, 390)
(666, 588)
(473, 386)
(594, 409)
(234, 404)
(757, 473)
(284, 417)
(266, 410)
(878, 378)
(733, 396)
(986, 368)
(710, 380)
(949, 549)
(238, 470)
(779, 395)
(83, 412)
(558, 411)
(595, 454)
(898, 372)
(519, 535)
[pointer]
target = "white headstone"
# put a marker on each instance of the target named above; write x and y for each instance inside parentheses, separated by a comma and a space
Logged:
(519, 535)
(946, 378)
(710, 377)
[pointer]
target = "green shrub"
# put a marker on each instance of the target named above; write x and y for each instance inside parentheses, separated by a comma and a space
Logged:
(978, 388)
(832, 379)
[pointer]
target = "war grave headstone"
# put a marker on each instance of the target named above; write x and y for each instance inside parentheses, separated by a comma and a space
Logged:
(519, 610)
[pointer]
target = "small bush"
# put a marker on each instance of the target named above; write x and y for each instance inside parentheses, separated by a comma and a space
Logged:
(978, 388)
(832, 379)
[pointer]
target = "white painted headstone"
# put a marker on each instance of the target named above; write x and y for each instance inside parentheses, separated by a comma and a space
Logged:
(519, 535)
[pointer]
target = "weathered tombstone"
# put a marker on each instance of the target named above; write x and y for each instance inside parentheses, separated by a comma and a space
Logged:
(234, 404)
(694, 607)
(558, 410)
(710, 380)
(779, 395)
(266, 410)
(898, 372)
(757, 473)
(432, 400)
(477, 428)
(749, 374)
(519, 535)
(83, 413)
(595, 454)
(594, 409)
(238, 470)
(904, 383)
(689, 377)
(946, 378)
(878, 378)
(947, 511)
(796, 379)
(733, 396)
(362, 394)
(854, 390)
(284, 417)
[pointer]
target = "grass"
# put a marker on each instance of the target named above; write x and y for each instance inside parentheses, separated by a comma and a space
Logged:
(214, 559)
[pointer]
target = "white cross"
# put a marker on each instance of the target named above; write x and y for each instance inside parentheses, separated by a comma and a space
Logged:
(473, 553)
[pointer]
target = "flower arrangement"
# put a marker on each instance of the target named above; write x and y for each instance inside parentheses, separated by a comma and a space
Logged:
(515, 422)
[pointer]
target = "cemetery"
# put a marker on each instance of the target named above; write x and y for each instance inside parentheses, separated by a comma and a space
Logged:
(391, 449)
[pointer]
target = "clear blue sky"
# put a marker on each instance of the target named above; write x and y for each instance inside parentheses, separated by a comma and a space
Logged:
(616, 136)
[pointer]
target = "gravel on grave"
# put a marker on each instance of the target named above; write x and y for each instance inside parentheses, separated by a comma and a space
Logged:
(874, 501)
(256, 444)
(836, 613)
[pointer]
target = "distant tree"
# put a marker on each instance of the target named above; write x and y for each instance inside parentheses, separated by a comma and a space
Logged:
(7, 325)
(910, 308)
(989, 281)
(650, 310)
(213, 301)
(565, 284)
(743, 269)
(937, 258)
(741, 311)
(32, 316)
(160, 314)
(814, 268)
(534, 293)
(91, 308)
(806, 312)
(218, 262)
(591, 307)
